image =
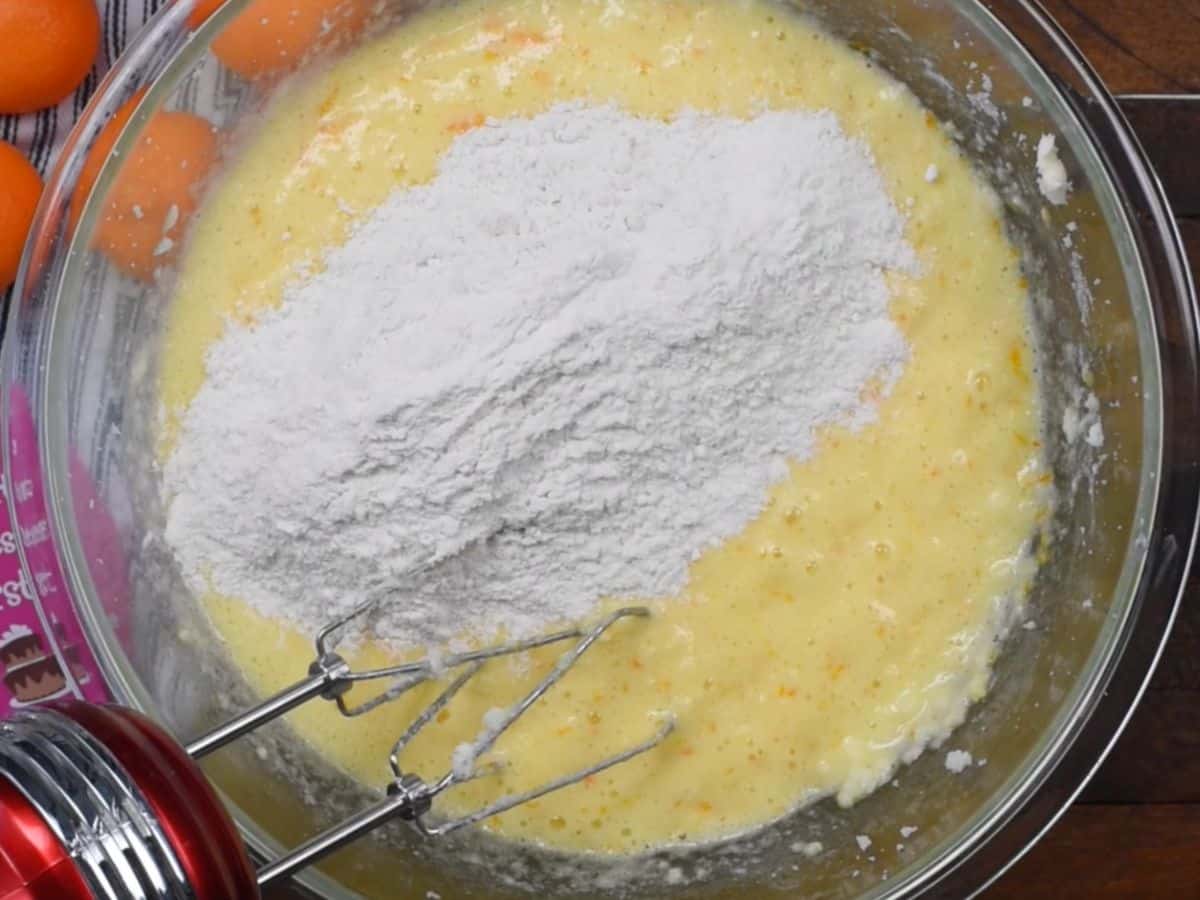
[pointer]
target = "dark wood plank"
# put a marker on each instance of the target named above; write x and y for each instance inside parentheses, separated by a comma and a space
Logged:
(1137, 45)
(1179, 670)
(1112, 853)
(1157, 759)
(1166, 128)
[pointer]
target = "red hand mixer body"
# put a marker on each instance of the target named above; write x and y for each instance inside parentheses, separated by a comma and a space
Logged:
(105, 804)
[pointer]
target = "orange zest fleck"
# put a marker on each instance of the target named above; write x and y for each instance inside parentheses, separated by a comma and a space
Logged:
(466, 123)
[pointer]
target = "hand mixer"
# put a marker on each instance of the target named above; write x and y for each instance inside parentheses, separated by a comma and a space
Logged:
(99, 803)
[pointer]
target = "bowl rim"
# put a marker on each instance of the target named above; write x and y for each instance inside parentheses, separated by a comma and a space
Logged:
(1056, 777)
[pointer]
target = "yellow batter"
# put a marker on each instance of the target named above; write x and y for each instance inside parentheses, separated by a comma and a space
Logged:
(848, 625)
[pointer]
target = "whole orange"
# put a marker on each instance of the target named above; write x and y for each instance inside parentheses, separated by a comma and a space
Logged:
(145, 212)
(48, 49)
(20, 189)
(98, 154)
(271, 37)
(202, 10)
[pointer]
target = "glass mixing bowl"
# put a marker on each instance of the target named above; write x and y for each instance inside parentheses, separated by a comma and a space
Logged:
(1115, 316)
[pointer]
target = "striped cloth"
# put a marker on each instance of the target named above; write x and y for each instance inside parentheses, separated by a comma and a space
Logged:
(40, 135)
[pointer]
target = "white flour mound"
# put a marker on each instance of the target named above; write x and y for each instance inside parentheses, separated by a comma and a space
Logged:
(574, 360)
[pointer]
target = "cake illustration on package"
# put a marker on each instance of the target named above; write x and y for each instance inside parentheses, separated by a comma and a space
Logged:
(32, 673)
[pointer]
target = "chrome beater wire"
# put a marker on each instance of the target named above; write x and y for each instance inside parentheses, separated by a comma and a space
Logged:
(331, 677)
(409, 797)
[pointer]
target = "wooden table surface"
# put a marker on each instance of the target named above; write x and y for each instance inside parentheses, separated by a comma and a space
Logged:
(1135, 832)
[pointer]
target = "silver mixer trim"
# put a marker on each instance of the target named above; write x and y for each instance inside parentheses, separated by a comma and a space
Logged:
(92, 806)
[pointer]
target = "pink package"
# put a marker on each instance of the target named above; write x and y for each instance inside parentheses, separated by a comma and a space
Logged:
(43, 652)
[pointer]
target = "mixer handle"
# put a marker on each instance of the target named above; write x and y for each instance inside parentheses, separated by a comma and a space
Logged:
(99, 803)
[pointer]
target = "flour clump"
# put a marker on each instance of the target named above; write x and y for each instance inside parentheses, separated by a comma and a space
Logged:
(578, 357)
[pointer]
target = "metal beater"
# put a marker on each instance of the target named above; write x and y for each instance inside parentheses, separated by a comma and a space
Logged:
(99, 803)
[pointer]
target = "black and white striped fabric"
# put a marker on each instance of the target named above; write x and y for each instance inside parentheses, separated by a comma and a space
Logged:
(40, 135)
